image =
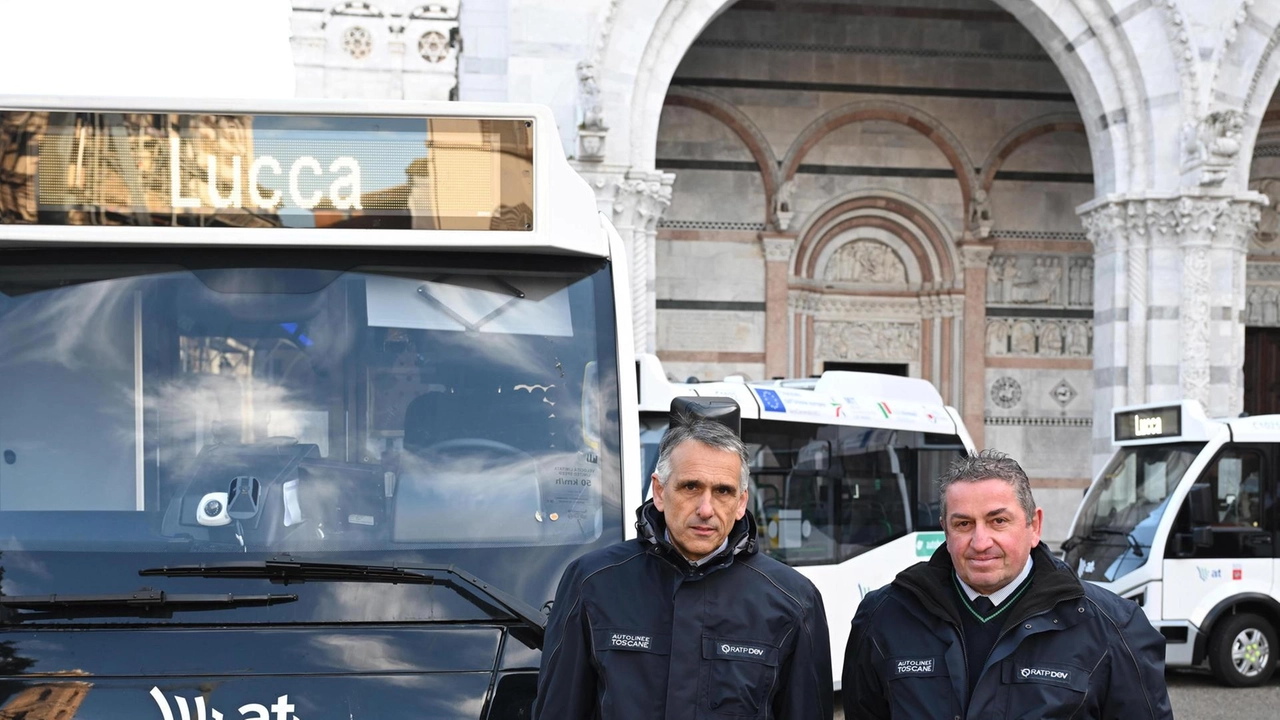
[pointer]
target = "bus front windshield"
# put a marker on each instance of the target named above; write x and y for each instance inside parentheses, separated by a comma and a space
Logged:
(1118, 521)
(166, 407)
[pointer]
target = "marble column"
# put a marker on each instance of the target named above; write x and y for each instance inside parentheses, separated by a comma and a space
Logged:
(975, 257)
(635, 201)
(777, 259)
(1169, 299)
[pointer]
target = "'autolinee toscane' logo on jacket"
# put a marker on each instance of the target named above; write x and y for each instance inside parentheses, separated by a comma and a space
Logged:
(636, 642)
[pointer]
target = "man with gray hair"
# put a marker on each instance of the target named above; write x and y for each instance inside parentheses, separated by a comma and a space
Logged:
(993, 625)
(688, 620)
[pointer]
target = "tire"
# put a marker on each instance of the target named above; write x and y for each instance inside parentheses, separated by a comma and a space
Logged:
(1242, 650)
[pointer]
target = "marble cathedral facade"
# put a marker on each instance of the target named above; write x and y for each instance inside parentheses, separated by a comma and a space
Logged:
(1046, 207)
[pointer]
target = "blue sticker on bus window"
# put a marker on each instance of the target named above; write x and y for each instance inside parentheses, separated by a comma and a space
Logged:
(770, 400)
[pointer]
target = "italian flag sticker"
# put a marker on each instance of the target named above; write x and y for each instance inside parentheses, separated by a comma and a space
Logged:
(884, 408)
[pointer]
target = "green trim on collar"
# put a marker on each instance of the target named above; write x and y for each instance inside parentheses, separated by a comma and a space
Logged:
(1008, 602)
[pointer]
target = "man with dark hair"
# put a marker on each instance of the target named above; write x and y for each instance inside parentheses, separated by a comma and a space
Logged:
(688, 620)
(994, 626)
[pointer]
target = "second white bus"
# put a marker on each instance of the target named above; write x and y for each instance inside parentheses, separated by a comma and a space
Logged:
(843, 471)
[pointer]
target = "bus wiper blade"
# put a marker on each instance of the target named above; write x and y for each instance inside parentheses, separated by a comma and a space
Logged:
(292, 571)
(1073, 542)
(1133, 541)
(142, 603)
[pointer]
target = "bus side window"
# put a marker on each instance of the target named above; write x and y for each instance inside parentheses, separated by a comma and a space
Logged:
(1233, 480)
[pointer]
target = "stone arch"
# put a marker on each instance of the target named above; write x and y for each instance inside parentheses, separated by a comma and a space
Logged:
(865, 111)
(1021, 135)
(742, 126)
(1103, 84)
(933, 250)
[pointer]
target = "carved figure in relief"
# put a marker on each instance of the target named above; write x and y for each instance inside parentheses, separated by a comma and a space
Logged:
(995, 279)
(589, 90)
(997, 338)
(865, 261)
(1269, 223)
(1040, 283)
(1253, 307)
(1078, 339)
(1003, 277)
(1270, 302)
(1023, 339)
(980, 214)
(1080, 282)
(866, 340)
(782, 199)
(1215, 146)
(1051, 340)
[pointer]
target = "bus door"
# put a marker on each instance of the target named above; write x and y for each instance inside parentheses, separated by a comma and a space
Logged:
(1240, 554)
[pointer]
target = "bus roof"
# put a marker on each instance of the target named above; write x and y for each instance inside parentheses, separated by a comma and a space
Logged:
(836, 398)
(1185, 421)
(304, 147)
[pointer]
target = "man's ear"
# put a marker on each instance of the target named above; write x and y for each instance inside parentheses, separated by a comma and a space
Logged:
(742, 504)
(657, 493)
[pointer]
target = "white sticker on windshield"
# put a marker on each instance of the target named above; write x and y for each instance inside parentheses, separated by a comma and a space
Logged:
(475, 303)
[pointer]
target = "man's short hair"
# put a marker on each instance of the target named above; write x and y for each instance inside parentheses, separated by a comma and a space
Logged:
(988, 465)
(709, 432)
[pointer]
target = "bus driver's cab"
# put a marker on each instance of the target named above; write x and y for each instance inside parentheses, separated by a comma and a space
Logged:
(1184, 520)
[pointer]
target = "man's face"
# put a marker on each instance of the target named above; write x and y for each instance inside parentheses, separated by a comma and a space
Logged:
(701, 500)
(987, 533)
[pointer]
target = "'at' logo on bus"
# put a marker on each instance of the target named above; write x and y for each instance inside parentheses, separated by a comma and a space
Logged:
(196, 709)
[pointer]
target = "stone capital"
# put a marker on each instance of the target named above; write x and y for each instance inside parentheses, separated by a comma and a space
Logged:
(777, 246)
(974, 255)
(641, 198)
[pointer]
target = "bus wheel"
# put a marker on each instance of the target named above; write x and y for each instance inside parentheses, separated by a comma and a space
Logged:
(1242, 650)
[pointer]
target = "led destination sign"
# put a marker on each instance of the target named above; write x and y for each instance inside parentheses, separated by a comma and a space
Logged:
(93, 168)
(1149, 424)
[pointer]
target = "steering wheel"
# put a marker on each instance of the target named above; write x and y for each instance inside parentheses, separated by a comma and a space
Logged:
(475, 446)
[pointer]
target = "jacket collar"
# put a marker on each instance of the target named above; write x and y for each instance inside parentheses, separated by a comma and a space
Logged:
(651, 528)
(930, 582)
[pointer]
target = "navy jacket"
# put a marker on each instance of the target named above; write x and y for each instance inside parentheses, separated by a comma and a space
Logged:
(636, 631)
(1067, 650)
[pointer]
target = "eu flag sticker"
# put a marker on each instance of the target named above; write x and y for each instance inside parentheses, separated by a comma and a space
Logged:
(770, 400)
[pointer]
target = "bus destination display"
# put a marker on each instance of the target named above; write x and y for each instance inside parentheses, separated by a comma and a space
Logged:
(1148, 424)
(96, 168)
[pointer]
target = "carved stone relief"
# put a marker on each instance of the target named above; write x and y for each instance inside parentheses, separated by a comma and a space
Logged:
(1262, 306)
(1006, 392)
(1080, 282)
(869, 340)
(868, 262)
(1264, 241)
(1063, 393)
(1212, 144)
(1039, 337)
(1040, 280)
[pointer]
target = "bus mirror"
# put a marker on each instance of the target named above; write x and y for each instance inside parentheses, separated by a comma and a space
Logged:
(721, 409)
(1200, 503)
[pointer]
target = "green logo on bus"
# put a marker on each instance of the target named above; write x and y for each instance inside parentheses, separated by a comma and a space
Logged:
(928, 542)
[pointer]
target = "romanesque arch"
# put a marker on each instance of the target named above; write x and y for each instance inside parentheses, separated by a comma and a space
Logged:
(930, 127)
(743, 127)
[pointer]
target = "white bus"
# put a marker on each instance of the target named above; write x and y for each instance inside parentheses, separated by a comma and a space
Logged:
(843, 471)
(302, 404)
(1184, 521)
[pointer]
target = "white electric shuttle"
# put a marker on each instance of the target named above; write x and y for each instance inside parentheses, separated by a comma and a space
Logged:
(843, 471)
(1183, 520)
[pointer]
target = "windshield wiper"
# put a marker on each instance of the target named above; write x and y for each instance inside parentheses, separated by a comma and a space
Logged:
(292, 571)
(1073, 542)
(146, 603)
(1133, 541)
